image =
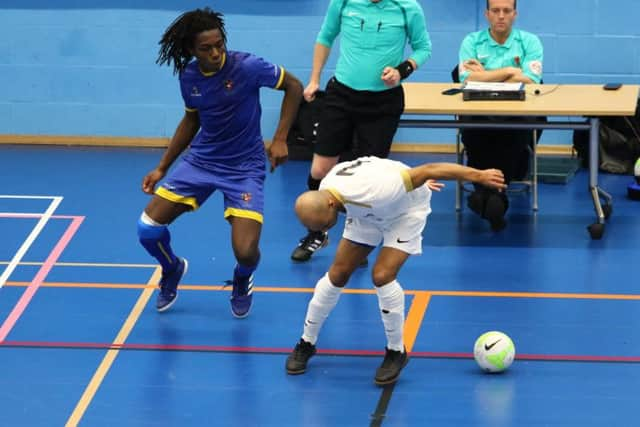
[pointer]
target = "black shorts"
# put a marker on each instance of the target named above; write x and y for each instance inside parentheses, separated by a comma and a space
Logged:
(358, 120)
(504, 149)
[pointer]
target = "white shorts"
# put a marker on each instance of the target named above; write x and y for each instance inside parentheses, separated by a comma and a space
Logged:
(404, 232)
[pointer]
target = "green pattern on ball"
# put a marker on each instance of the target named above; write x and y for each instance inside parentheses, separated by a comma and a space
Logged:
(497, 359)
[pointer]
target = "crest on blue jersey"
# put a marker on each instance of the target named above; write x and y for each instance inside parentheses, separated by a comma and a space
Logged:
(228, 84)
(195, 91)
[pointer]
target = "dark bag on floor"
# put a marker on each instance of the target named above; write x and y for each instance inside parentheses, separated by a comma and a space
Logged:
(619, 143)
(303, 133)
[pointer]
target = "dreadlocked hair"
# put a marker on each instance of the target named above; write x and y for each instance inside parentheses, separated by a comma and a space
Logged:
(178, 40)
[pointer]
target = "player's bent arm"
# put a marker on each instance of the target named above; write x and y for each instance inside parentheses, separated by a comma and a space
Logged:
(278, 151)
(185, 132)
(489, 177)
(291, 101)
(320, 55)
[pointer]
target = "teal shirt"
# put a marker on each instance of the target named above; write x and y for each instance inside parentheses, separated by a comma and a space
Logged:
(374, 36)
(521, 49)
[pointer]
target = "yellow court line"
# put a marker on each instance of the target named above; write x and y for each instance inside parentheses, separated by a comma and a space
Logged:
(549, 295)
(414, 318)
(111, 355)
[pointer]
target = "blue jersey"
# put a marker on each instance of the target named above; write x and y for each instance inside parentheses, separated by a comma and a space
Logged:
(228, 103)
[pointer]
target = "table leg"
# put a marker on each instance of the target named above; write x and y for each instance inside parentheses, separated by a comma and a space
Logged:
(603, 211)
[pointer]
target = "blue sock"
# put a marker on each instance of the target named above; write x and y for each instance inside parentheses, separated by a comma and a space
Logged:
(244, 270)
(156, 240)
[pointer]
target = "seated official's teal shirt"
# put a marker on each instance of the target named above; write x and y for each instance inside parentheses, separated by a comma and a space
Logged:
(521, 49)
(374, 36)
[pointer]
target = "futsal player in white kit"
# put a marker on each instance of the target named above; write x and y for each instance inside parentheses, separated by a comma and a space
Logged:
(385, 201)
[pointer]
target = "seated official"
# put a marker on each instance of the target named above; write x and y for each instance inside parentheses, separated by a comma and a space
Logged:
(499, 54)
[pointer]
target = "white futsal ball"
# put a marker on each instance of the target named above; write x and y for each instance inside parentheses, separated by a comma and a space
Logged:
(494, 351)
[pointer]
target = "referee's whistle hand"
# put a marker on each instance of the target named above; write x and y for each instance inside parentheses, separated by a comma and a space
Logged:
(390, 76)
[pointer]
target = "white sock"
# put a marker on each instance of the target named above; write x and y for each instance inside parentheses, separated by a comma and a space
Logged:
(325, 297)
(149, 221)
(391, 303)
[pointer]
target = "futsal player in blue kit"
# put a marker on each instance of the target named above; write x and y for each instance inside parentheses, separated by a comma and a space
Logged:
(221, 127)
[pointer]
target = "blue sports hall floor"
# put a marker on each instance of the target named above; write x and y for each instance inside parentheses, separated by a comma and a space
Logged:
(81, 342)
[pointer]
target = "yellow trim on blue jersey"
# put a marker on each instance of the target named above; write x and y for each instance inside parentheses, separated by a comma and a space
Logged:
(406, 179)
(191, 110)
(173, 197)
(224, 60)
(281, 79)
(243, 213)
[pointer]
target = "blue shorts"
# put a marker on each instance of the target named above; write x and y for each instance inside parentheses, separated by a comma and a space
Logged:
(192, 185)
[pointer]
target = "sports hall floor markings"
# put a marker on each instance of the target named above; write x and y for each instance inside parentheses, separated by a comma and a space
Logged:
(42, 221)
(112, 353)
(415, 316)
(46, 266)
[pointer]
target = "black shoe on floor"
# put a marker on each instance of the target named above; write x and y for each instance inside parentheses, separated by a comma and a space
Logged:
(392, 364)
(297, 360)
(494, 211)
(476, 202)
(313, 241)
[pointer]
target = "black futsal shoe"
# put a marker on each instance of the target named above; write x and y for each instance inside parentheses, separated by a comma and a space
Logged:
(313, 241)
(392, 364)
(299, 357)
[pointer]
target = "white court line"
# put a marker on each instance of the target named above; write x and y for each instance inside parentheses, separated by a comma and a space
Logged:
(19, 215)
(10, 196)
(55, 202)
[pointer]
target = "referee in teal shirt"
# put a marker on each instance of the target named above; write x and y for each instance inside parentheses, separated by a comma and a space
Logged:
(364, 98)
(499, 54)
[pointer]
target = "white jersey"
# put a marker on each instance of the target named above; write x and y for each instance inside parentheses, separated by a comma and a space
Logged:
(375, 189)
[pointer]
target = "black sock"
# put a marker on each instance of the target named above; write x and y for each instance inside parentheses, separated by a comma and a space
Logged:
(313, 183)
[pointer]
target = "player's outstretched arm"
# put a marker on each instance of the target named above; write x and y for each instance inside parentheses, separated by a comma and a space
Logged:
(490, 177)
(186, 130)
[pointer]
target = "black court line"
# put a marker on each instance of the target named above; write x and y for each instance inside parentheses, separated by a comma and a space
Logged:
(325, 352)
(383, 403)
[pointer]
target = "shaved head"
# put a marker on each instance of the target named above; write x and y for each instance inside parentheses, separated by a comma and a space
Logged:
(316, 210)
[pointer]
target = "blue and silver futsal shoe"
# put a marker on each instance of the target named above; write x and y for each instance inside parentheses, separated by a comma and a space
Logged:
(169, 285)
(241, 296)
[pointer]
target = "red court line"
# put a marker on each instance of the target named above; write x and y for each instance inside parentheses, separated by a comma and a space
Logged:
(326, 352)
(25, 299)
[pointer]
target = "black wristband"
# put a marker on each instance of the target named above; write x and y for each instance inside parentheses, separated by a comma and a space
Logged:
(405, 69)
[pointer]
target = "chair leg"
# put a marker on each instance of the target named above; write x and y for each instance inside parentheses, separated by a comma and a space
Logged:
(459, 184)
(534, 172)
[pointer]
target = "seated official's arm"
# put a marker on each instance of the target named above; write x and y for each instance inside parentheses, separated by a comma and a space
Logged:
(519, 77)
(477, 73)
